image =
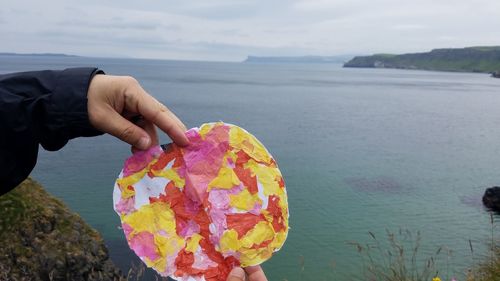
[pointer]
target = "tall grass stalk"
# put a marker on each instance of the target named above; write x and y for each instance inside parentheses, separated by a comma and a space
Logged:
(396, 258)
(488, 270)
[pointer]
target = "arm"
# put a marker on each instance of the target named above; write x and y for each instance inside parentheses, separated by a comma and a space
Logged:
(52, 107)
(40, 107)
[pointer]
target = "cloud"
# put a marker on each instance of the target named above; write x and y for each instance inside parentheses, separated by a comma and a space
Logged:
(221, 11)
(233, 29)
(409, 27)
(113, 23)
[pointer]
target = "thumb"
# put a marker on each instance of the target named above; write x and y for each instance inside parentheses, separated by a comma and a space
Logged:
(125, 130)
(237, 274)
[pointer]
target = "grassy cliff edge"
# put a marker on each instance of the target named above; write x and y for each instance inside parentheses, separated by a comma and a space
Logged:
(43, 240)
(471, 59)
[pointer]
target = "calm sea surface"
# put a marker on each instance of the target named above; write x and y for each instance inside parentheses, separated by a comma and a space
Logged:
(360, 149)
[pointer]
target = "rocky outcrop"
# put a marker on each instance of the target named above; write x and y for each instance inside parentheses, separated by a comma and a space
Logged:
(43, 240)
(491, 198)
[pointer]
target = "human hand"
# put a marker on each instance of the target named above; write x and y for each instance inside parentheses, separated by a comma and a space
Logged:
(253, 273)
(114, 100)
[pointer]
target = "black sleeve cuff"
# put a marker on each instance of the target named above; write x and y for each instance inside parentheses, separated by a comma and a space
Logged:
(67, 115)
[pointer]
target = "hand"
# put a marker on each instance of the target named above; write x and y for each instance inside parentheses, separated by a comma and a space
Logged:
(254, 273)
(114, 100)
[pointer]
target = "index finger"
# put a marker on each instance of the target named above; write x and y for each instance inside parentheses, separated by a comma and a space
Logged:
(162, 117)
(255, 273)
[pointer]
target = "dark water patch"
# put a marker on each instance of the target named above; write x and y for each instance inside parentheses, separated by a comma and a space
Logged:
(376, 184)
(473, 197)
(472, 200)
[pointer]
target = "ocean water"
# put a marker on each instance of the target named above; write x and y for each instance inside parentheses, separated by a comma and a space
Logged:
(361, 150)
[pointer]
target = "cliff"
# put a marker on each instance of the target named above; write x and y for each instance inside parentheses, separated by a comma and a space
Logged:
(43, 240)
(472, 59)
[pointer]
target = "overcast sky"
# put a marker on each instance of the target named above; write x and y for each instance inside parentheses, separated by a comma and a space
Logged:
(232, 29)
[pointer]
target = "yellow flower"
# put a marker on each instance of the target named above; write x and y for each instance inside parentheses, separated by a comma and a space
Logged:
(436, 279)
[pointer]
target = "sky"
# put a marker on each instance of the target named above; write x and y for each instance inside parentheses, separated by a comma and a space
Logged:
(230, 30)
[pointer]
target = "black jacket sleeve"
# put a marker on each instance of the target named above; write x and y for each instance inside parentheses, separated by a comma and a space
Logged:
(40, 107)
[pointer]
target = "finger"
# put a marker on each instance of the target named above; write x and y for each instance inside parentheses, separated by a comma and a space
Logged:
(114, 124)
(255, 273)
(162, 117)
(150, 129)
(179, 122)
(237, 274)
(171, 115)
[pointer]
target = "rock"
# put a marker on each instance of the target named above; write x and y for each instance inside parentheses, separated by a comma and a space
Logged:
(491, 198)
(496, 74)
(43, 240)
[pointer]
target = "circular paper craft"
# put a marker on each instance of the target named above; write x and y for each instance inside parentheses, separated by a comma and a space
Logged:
(194, 213)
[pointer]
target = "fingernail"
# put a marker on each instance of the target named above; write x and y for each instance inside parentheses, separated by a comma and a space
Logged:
(238, 272)
(143, 143)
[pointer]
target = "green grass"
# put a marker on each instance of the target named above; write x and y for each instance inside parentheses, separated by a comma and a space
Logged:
(12, 208)
(41, 237)
(489, 268)
(30, 202)
(474, 59)
(398, 257)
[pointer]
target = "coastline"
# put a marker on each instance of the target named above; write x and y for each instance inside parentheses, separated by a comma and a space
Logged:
(470, 59)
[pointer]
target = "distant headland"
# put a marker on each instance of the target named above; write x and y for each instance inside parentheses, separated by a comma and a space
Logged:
(471, 59)
(36, 54)
(299, 59)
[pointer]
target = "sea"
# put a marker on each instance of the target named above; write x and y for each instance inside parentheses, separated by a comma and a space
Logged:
(374, 160)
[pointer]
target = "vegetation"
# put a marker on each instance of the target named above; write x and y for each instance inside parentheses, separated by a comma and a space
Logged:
(489, 269)
(472, 59)
(43, 240)
(398, 258)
